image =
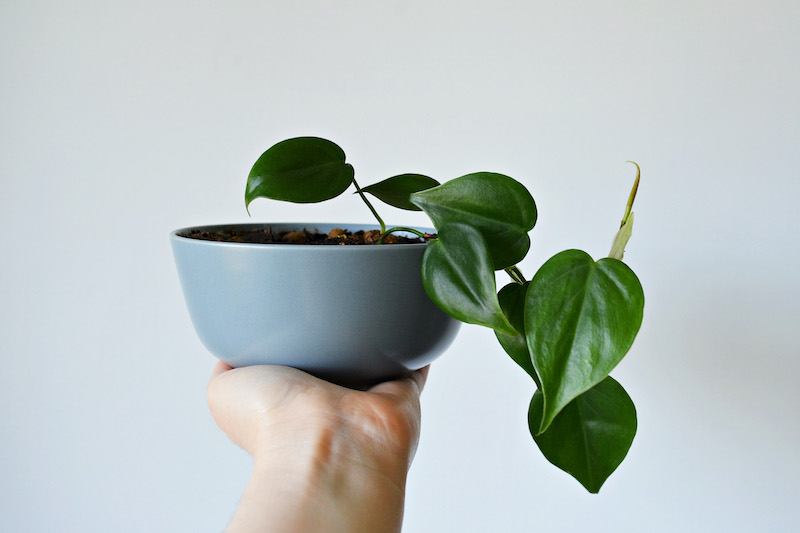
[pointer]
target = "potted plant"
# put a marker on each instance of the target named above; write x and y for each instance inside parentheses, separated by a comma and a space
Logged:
(359, 314)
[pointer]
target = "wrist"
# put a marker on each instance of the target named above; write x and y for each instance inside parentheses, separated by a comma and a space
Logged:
(347, 498)
(326, 477)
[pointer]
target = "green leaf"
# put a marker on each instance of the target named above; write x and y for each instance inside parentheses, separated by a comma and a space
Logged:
(581, 318)
(512, 302)
(457, 275)
(500, 208)
(301, 170)
(591, 436)
(396, 190)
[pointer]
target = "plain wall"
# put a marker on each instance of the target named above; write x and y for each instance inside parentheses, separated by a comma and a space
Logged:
(120, 121)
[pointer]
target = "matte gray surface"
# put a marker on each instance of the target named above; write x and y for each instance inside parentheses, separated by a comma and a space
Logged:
(351, 314)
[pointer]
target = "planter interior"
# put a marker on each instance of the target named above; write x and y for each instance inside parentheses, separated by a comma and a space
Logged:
(354, 315)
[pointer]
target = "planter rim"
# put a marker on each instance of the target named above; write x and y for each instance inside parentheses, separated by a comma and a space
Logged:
(179, 235)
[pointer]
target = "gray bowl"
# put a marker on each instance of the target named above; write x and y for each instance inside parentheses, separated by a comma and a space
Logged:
(354, 315)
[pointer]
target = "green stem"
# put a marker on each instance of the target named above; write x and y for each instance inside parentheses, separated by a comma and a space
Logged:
(409, 230)
(375, 213)
(632, 197)
(516, 274)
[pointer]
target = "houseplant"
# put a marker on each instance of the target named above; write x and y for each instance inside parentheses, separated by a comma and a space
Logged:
(567, 327)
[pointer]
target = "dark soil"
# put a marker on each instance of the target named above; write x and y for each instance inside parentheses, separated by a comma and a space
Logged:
(335, 237)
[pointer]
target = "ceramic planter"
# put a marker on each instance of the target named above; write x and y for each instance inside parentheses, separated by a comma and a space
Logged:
(355, 315)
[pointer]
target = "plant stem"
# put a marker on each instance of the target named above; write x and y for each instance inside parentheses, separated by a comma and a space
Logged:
(375, 213)
(632, 197)
(409, 230)
(516, 274)
(626, 226)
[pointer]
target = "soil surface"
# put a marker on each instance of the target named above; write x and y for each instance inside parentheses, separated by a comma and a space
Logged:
(335, 237)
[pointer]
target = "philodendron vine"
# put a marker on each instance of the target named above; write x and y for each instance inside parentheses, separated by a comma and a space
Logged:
(567, 327)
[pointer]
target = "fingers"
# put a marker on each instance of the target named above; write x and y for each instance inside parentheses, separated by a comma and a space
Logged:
(220, 368)
(421, 376)
(404, 389)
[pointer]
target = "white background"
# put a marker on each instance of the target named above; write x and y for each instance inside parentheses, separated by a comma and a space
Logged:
(120, 121)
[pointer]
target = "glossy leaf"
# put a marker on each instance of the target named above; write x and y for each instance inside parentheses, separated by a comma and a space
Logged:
(457, 275)
(500, 207)
(396, 190)
(301, 170)
(512, 302)
(581, 318)
(591, 436)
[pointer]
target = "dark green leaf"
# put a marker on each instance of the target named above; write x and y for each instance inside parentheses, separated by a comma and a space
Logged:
(396, 190)
(591, 436)
(581, 318)
(512, 302)
(457, 275)
(500, 207)
(301, 170)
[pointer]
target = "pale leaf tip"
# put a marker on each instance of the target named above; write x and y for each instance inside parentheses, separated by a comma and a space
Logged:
(621, 239)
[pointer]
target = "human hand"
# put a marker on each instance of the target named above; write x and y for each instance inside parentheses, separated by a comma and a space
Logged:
(326, 457)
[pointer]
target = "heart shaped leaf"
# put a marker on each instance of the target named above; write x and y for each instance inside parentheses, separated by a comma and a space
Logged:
(512, 302)
(500, 208)
(591, 436)
(581, 318)
(396, 190)
(301, 170)
(457, 275)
